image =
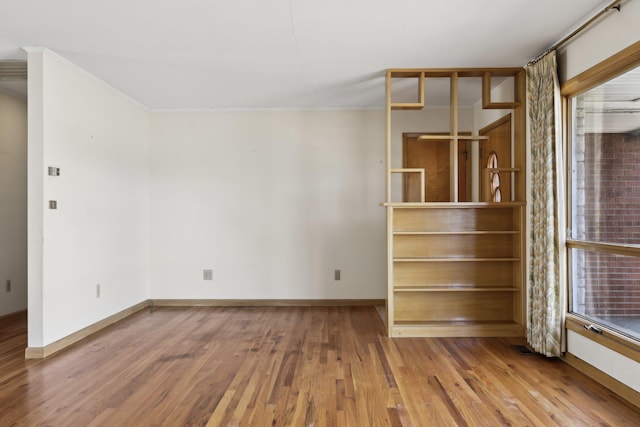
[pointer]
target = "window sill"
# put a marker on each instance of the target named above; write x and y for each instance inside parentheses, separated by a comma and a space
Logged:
(609, 338)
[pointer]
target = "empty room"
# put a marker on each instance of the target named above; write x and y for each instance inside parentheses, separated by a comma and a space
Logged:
(293, 213)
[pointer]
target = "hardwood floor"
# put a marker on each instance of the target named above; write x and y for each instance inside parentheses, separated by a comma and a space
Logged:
(289, 366)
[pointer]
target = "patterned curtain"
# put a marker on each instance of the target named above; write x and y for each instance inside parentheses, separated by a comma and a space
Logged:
(546, 302)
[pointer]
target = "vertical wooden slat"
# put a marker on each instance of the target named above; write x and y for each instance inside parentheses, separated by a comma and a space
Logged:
(519, 135)
(388, 151)
(421, 88)
(453, 156)
(390, 301)
(486, 89)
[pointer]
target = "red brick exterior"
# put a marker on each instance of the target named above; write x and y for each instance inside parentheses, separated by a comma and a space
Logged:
(611, 214)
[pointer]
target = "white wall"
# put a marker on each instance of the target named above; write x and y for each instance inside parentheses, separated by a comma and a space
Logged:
(615, 32)
(606, 360)
(13, 203)
(98, 234)
(609, 35)
(484, 117)
(273, 202)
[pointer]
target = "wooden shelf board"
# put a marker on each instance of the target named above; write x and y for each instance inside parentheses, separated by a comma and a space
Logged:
(447, 72)
(455, 289)
(404, 73)
(461, 232)
(454, 259)
(500, 105)
(455, 205)
(457, 329)
(431, 137)
(458, 323)
(406, 106)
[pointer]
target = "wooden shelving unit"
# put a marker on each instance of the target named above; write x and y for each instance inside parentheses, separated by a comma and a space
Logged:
(457, 268)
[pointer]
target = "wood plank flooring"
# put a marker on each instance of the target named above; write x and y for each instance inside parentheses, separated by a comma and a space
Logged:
(290, 366)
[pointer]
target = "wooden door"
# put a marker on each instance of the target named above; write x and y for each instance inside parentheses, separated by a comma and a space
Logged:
(433, 156)
(496, 152)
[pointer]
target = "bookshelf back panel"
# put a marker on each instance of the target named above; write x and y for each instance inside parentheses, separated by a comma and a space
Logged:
(457, 219)
(453, 246)
(472, 274)
(453, 306)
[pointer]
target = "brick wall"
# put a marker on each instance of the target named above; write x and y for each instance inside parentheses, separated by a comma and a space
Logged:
(607, 209)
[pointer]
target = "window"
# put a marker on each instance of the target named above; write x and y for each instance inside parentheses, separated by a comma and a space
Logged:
(604, 188)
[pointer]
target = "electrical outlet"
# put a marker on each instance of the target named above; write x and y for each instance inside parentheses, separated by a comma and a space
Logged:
(207, 274)
(8, 285)
(336, 274)
(98, 290)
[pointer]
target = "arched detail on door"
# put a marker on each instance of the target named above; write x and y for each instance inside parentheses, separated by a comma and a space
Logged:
(492, 163)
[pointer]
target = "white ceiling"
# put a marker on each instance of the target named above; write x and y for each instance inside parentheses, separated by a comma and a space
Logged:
(257, 54)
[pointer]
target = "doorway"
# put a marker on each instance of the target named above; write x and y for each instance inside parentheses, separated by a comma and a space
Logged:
(13, 190)
(495, 152)
(434, 157)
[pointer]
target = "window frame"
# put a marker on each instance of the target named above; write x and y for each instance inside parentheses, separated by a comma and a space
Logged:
(616, 65)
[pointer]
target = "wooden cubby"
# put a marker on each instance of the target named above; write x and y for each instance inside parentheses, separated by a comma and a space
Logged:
(457, 268)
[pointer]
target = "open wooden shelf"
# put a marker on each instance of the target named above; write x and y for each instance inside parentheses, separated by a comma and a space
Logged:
(407, 106)
(457, 205)
(446, 259)
(456, 263)
(458, 329)
(454, 289)
(431, 137)
(452, 233)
